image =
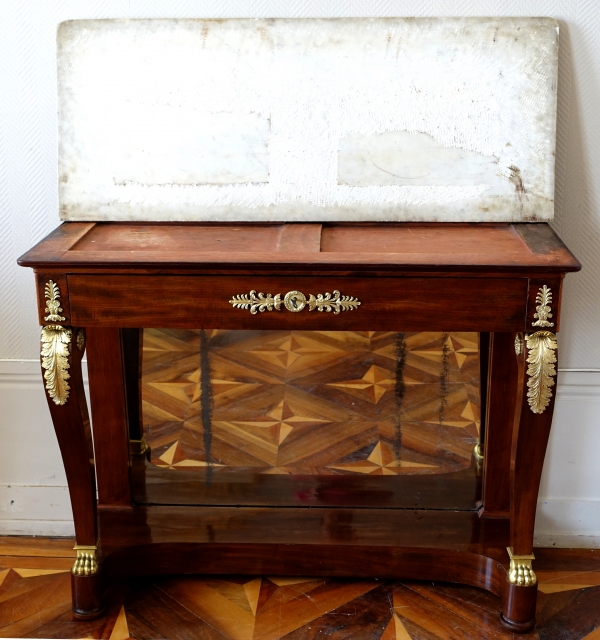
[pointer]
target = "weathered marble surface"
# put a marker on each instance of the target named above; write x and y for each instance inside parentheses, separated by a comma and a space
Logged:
(445, 119)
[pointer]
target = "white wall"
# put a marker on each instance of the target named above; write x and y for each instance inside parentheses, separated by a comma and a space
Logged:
(29, 461)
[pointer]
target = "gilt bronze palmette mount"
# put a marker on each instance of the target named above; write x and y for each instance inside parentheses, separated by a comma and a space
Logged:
(295, 301)
(256, 302)
(541, 360)
(55, 361)
(541, 357)
(335, 302)
(53, 308)
(543, 308)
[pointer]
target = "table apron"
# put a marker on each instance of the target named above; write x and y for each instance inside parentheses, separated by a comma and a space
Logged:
(387, 304)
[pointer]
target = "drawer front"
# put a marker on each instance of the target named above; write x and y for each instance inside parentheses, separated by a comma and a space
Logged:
(386, 304)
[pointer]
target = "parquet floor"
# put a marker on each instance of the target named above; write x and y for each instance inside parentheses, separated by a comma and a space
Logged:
(35, 603)
(311, 402)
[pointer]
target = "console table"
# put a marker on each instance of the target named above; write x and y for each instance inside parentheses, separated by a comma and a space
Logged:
(98, 284)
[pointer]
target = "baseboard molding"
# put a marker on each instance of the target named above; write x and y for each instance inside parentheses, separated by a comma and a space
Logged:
(566, 523)
(26, 372)
(49, 528)
(35, 511)
(565, 541)
(35, 501)
(578, 384)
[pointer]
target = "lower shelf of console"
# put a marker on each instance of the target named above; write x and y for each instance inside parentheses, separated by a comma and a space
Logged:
(455, 546)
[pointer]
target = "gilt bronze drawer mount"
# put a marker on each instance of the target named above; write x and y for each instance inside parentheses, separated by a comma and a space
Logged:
(295, 301)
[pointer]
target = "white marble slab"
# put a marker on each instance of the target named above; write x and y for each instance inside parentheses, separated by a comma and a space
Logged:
(428, 119)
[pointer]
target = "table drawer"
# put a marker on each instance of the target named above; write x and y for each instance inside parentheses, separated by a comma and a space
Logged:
(399, 304)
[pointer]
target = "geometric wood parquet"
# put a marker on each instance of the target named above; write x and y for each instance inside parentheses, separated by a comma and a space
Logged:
(311, 402)
(35, 603)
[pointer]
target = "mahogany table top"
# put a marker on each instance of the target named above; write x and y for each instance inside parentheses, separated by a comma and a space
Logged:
(422, 247)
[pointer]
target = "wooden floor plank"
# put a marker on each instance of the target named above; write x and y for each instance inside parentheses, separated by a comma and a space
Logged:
(366, 618)
(550, 605)
(419, 614)
(567, 560)
(21, 585)
(26, 627)
(65, 627)
(475, 606)
(35, 562)
(9, 579)
(38, 547)
(158, 611)
(284, 616)
(138, 629)
(23, 599)
(576, 621)
(595, 635)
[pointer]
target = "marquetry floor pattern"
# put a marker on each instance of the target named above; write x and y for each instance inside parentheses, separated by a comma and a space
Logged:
(35, 603)
(311, 402)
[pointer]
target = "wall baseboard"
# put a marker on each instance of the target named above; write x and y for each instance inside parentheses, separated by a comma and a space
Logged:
(49, 528)
(34, 499)
(565, 541)
(568, 523)
(35, 511)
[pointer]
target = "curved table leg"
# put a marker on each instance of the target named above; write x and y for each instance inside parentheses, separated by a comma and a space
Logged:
(62, 351)
(537, 370)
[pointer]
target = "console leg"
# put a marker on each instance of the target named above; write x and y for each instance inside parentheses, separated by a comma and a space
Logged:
(518, 611)
(86, 586)
(537, 368)
(61, 353)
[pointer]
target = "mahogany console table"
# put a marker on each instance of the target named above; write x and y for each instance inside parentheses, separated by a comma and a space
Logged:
(98, 284)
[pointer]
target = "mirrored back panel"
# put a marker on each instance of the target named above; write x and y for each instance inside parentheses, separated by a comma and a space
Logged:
(310, 418)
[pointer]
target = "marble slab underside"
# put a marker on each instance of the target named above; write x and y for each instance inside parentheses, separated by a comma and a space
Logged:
(424, 119)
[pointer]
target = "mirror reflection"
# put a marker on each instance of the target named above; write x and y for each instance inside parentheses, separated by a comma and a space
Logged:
(319, 403)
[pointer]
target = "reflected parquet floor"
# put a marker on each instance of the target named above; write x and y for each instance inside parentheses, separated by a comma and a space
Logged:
(311, 402)
(35, 603)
